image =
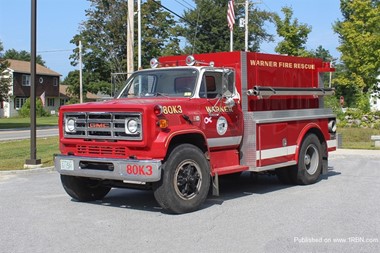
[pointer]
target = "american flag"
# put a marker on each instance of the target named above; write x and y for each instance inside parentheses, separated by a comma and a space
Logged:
(231, 15)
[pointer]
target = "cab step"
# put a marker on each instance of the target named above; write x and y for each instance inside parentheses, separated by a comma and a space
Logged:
(229, 170)
(224, 171)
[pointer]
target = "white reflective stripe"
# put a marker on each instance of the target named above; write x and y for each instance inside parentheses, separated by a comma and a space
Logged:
(275, 152)
(224, 141)
(331, 144)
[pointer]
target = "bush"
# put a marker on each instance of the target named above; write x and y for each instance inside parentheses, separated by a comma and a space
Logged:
(363, 103)
(25, 109)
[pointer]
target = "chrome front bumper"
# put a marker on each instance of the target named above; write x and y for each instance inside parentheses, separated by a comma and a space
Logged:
(113, 169)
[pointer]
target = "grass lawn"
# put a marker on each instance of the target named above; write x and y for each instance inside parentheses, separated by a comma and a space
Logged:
(8, 123)
(358, 138)
(13, 154)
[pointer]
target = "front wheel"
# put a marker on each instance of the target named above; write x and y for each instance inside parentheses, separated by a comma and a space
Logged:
(84, 189)
(185, 181)
(309, 161)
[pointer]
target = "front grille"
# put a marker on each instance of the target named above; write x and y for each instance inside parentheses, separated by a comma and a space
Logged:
(88, 150)
(103, 125)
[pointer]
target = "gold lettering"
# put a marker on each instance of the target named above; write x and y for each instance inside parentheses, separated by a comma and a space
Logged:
(172, 109)
(218, 109)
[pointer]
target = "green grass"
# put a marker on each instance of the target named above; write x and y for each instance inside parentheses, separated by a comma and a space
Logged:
(9, 123)
(358, 138)
(13, 154)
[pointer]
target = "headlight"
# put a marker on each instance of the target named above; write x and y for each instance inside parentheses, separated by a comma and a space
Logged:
(70, 125)
(132, 126)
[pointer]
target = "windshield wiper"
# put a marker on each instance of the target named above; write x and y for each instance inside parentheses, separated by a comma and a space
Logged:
(161, 94)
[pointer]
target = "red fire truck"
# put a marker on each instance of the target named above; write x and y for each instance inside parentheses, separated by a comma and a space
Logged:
(179, 126)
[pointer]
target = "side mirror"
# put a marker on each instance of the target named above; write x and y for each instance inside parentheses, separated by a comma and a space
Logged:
(229, 102)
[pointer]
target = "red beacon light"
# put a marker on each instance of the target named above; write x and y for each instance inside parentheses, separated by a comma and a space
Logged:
(154, 63)
(157, 110)
(190, 61)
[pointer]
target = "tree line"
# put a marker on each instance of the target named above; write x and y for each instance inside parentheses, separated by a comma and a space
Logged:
(204, 29)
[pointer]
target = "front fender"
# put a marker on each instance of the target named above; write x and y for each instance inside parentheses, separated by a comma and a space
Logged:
(165, 137)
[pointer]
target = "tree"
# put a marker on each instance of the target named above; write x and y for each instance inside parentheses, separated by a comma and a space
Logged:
(72, 82)
(360, 47)
(22, 56)
(104, 37)
(323, 54)
(205, 28)
(294, 34)
(4, 79)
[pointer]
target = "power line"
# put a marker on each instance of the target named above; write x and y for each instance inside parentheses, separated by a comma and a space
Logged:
(55, 51)
(174, 13)
(186, 3)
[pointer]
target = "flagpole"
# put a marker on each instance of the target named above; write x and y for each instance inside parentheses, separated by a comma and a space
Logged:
(231, 40)
(231, 22)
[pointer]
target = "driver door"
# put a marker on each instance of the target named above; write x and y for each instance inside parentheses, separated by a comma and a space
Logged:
(221, 115)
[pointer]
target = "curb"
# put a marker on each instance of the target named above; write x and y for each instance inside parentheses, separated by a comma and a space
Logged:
(26, 171)
(355, 152)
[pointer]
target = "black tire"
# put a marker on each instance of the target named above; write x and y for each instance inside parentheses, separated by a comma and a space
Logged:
(84, 189)
(309, 161)
(185, 180)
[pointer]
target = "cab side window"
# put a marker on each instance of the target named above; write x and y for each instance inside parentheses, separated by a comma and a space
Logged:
(211, 85)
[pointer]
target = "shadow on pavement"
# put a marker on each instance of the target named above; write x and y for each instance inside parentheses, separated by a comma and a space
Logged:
(245, 185)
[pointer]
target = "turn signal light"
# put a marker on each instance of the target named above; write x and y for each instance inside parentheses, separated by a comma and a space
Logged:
(163, 123)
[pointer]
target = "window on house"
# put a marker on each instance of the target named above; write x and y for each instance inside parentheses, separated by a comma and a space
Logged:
(50, 101)
(25, 80)
(63, 101)
(19, 102)
(55, 81)
(1, 104)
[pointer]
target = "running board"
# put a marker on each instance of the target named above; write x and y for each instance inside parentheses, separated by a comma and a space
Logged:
(224, 171)
(230, 169)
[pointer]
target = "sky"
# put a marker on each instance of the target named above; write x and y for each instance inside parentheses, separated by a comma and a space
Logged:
(59, 20)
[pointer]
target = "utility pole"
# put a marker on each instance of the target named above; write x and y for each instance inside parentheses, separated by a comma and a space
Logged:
(80, 73)
(246, 24)
(130, 38)
(246, 21)
(33, 161)
(139, 33)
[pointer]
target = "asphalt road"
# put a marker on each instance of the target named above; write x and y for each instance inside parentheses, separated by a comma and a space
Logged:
(341, 213)
(18, 134)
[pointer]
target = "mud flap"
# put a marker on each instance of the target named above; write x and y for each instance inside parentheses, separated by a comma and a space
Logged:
(215, 185)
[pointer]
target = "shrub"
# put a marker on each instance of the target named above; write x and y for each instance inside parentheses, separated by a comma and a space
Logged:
(25, 109)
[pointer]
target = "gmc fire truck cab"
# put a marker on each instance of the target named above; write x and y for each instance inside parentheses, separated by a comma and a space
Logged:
(177, 127)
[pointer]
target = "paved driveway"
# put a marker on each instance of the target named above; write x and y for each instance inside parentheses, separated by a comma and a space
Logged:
(341, 213)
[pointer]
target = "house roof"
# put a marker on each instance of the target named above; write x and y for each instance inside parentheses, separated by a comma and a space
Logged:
(63, 92)
(24, 67)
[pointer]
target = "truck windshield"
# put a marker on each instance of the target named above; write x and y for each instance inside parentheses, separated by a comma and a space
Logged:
(161, 82)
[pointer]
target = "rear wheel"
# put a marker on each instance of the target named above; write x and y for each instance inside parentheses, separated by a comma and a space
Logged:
(185, 181)
(309, 161)
(84, 189)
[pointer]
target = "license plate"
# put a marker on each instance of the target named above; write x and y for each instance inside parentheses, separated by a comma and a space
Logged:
(67, 165)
